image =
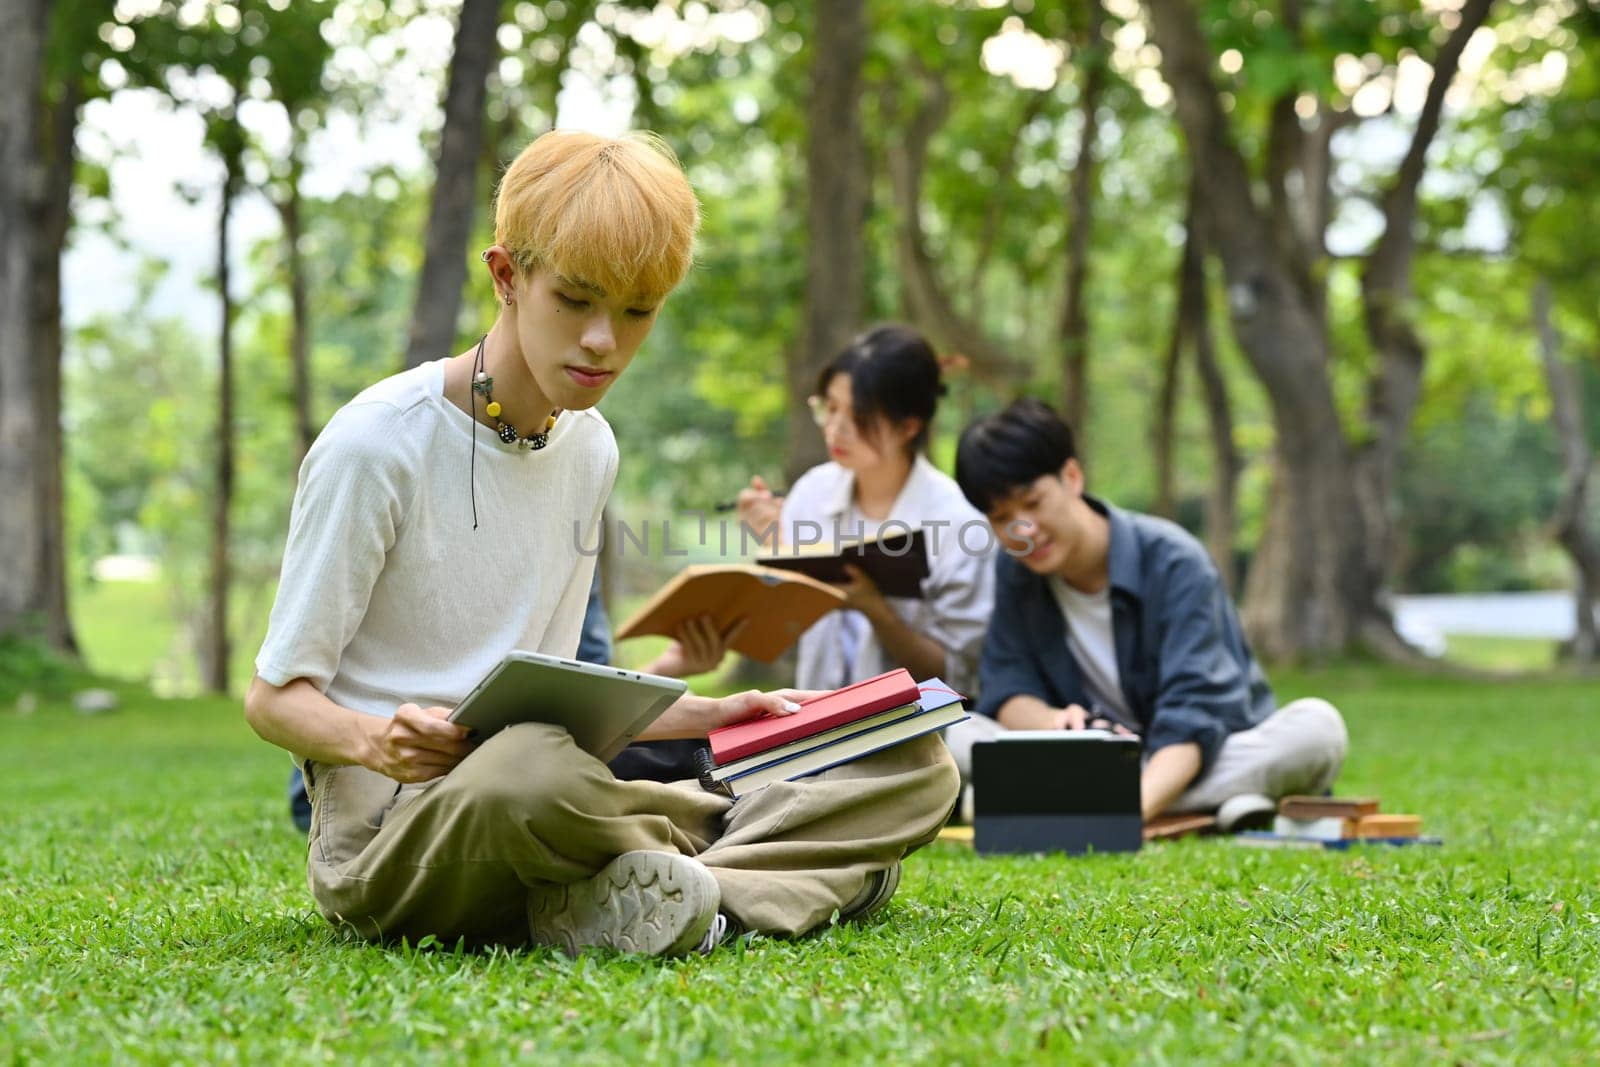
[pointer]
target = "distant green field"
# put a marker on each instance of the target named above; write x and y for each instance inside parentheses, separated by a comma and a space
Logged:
(153, 909)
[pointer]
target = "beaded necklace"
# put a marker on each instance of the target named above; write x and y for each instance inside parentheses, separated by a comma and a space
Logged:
(483, 385)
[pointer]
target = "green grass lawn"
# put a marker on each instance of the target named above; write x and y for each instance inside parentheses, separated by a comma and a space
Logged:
(153, 907)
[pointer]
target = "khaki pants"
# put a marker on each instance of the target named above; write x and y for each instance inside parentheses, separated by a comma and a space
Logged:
(1298, 749)
(456, 857)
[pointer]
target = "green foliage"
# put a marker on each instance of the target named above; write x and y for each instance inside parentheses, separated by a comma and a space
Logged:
(702, 407)
(153, 907)
(30, 670)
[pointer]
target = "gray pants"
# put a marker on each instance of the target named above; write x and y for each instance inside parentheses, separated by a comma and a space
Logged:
(1298, 749)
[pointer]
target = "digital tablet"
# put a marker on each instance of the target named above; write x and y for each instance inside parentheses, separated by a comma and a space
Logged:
(603, 708)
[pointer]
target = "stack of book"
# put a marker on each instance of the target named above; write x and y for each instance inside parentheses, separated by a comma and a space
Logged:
(1338, 822)
(828, 730)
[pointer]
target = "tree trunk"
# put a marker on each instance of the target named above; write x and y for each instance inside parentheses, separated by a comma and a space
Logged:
(289, 211)
(1080, 222)
(1164, 433)
(1571, 520)
(836, 194)
(217, 647)
(55, 215)
(1388, 304)
(1222, 499)
(929, 302)
(444, 264)
(1309, 592)
(25, 591)
(1192, 326)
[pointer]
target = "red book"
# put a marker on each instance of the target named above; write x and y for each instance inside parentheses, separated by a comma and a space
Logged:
(892, 690)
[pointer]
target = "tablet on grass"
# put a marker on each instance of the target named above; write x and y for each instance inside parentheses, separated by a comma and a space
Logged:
(603, 708)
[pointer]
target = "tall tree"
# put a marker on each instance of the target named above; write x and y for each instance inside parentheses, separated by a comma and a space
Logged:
(25, 586)
(297, 52)
(836, 202)
(1314, 584)
(1571, 522)
(1191, 330)
(444, 264)
(227, 137)
(1090, 52)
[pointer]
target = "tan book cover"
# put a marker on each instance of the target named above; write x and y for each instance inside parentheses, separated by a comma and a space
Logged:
(1396, 825)
(1306, 807)
(780, 605)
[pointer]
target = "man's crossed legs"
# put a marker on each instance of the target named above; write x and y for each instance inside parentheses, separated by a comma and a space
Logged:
(530, 835)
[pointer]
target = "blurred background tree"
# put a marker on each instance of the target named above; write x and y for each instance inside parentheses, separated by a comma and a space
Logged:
(1315, 279)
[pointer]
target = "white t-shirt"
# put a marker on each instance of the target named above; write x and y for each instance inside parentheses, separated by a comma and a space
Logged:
(957, 596)
(388, 595)
(1093, 648)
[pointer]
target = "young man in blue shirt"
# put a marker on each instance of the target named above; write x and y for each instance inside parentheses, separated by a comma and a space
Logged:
(1110, 618)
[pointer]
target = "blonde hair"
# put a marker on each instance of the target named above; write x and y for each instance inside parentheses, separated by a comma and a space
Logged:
(614, 213)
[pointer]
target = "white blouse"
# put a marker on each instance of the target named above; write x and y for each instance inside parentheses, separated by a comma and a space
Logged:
(957, 596)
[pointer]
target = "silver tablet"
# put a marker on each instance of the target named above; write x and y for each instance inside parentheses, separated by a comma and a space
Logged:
(603, 708)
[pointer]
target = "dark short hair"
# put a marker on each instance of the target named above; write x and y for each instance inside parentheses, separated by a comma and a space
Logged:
(894, 374)
(1009, 450)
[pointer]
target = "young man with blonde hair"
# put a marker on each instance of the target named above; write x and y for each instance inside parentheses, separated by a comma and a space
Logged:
(424, 546)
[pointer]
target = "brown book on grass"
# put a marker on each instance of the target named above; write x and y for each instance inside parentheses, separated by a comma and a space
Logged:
(1389, 826)
(897, 562)
(1184, 824)
(779, 606)
(1302, 807)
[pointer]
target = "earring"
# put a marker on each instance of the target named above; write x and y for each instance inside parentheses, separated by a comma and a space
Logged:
(485, 255)
(508, 300)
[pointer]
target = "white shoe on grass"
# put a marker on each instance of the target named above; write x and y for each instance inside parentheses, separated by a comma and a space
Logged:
(1247, 811)
(877, 893)
(647, 903)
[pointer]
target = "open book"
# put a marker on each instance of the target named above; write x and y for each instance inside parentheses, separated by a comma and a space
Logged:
(896, 562)
(779, 606)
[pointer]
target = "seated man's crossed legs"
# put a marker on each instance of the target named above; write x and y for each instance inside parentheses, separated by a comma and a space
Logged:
(1300, 748)
(531, 837)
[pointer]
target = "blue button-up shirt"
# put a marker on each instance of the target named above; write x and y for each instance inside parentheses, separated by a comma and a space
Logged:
(1185, 669)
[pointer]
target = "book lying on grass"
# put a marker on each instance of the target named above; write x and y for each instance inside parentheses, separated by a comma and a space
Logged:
(1173, 825)
(1308, 807)
(933, 708)
(1341, 819)
(777, 606)
(896, 562)
(1267, 839)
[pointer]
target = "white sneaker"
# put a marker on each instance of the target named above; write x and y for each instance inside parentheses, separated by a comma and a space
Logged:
(714, 935)
(879, 889)
(649, 903)
(1247, 811)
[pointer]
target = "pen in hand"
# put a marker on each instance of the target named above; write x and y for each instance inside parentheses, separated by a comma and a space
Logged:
(733, 505)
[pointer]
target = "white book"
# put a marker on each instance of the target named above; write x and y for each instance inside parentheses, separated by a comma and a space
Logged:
(1324, 828)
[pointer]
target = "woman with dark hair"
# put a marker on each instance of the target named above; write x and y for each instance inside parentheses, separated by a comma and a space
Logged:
(875, 404)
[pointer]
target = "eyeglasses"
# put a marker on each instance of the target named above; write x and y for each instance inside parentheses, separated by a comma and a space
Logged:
(820, 414)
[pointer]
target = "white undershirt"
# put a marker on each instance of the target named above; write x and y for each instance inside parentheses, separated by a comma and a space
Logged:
(1090, 641)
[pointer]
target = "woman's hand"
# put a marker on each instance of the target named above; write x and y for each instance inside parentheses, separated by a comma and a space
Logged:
(862, 594)
(417, 745)
(699, 648)
(759, 509)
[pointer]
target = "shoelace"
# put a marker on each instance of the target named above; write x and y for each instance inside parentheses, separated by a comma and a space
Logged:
(714, 934)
